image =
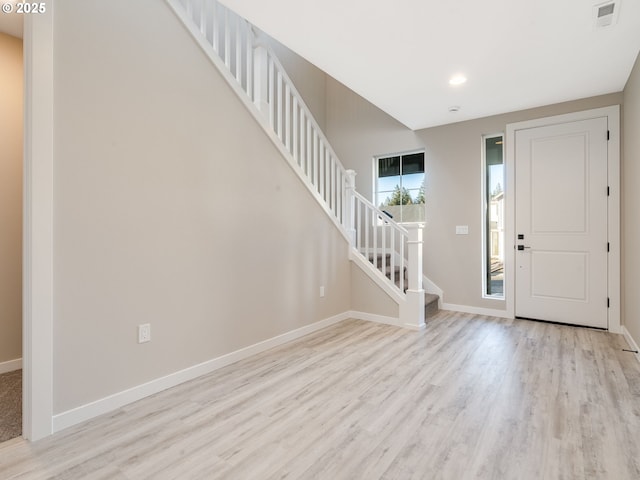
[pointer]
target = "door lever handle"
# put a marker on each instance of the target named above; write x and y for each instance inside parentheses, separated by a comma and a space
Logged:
(522, 247)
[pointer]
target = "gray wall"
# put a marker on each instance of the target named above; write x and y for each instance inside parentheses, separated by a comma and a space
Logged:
(10, 198)
(171, 207)
(358, 131)
(631, 204)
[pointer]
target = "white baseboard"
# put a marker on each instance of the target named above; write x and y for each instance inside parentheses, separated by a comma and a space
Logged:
(489, 312)
(10, 366)
(632, 343)
(372, 317)
(108, 404)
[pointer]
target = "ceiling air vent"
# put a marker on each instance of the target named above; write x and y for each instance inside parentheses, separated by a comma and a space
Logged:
(606, 14)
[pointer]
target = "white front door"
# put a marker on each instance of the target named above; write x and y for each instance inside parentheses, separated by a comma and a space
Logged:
(561, 223)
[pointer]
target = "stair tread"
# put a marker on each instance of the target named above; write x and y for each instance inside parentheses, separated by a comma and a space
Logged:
(430, 298)
(431, 306)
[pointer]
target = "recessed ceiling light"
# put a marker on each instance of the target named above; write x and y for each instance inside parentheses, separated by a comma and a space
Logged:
(454, 108)
(457, 79)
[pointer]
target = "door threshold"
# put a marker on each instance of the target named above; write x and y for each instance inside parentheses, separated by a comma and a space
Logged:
(600, 329)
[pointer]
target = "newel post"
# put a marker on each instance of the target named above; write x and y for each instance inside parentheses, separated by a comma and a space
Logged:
(350, 218)
(260, 76)
(412, 311)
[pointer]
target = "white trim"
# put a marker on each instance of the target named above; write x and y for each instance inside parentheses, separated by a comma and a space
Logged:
(37, 337)
(10, 366)
(613, 214)
(612, 113)
(632, 343)
(372, 317)
(112, 402)
(489, 312)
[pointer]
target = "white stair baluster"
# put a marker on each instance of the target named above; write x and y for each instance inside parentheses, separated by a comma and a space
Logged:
(271, 83)
(295, 130)
(227, 40)
(321, 177)
(279, 106)
(334, 183)
(392, 249)
(366, 232)
(238, 45)
(249, 59)
(303, 141)
(308, 169)
(203, 17)
(287, 117)
(316, 148)
(215, 28)
(402, 263)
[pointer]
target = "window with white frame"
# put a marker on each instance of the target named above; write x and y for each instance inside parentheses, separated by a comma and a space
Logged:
(399, 186)
(493, 213)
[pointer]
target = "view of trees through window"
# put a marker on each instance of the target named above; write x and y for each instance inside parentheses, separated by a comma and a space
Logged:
(400, 187)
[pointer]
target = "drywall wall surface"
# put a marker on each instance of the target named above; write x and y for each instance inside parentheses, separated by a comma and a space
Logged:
(171, 207)
(368, 297)
(11, 140)
(631, 203)
(359, 131)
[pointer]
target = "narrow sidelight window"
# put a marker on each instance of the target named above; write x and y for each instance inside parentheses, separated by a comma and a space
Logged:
(400, 186)
(493, 213)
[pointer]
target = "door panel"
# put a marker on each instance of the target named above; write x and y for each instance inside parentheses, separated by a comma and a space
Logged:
(553, 180)
(545, 282)
(561, 213)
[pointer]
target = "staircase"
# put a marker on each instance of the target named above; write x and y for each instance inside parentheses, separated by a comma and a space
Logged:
(431, 301)
(390, 254)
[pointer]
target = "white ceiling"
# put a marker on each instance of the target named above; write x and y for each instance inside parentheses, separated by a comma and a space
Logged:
(400, 55)
(11, 23)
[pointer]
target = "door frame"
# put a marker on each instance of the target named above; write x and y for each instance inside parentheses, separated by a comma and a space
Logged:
(612, 113)
(37, 253)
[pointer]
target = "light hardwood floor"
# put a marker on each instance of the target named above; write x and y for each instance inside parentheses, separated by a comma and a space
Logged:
(469, 397)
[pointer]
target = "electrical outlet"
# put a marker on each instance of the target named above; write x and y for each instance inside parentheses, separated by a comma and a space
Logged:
(144, 333)
(322, 291)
